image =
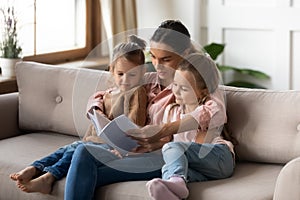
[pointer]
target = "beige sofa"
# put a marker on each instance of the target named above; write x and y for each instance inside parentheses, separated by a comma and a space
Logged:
(49, 111)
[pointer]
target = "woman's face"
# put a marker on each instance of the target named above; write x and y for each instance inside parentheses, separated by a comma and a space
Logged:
(185, 88)
(164, 60)
(127, 74)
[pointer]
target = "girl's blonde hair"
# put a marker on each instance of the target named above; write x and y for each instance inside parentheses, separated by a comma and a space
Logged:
(133, 51)
(204, 69)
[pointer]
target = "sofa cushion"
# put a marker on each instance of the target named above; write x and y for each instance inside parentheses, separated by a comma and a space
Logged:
(266, 123)
(17, 153)
(54, 98)
(250, 181)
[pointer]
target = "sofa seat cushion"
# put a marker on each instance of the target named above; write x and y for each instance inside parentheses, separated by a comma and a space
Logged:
(250, 181)
(18, 152)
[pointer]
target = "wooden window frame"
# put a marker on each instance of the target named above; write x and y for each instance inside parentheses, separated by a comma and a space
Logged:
(92, 39)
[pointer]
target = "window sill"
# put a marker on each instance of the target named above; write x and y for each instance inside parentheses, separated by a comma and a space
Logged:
(9, 84)
(98, 64)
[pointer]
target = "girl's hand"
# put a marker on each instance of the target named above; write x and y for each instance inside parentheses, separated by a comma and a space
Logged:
(93, 138)
(96, 100)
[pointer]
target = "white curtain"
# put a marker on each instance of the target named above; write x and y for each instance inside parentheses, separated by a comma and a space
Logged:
(118, 19)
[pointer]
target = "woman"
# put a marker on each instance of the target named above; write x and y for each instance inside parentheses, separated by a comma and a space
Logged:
(88, 170)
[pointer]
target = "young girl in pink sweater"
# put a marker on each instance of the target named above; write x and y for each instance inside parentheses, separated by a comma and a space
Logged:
(201, 154)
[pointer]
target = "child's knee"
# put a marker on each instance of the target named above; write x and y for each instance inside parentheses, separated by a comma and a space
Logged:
(174, 145)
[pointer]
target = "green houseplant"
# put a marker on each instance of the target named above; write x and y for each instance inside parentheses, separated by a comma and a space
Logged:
(10, 50)
(215, 49)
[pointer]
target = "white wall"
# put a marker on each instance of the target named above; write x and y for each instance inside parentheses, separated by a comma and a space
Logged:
(151, 13)
(259, 34)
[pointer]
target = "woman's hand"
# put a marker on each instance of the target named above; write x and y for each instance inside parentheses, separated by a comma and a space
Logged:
(146, 134)
(149, 147)
(116, 152)
(149, 138)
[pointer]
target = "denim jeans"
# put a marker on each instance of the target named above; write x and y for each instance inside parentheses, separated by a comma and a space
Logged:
(197, 162)
(93, 166)
(58, 163)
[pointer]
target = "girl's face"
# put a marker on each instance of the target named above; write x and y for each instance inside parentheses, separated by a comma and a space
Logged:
(164, 60)
(185, 89)
(127, 74)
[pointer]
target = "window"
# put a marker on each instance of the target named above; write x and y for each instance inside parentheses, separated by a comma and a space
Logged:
(53, 31)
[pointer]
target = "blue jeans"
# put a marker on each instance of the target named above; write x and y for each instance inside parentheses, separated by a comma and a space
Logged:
(58, 163)
(197, 162)
(93, 166)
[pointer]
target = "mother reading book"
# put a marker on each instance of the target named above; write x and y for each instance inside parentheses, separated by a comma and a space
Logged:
(93, 166)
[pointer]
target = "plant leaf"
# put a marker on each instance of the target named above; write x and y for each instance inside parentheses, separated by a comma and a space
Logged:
(255, 73)
(214, 49)
(224, 68)
(250, 72)
(244, 84)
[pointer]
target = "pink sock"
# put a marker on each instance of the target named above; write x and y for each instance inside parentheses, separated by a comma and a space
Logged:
(158, 191)
(177, 185)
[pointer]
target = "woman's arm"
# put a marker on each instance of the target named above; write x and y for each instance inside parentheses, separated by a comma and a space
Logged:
(153, 137)
(204, 117)
(152, 133)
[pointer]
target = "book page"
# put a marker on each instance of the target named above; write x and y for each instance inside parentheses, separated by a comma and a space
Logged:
(99, 120)
(114, 133)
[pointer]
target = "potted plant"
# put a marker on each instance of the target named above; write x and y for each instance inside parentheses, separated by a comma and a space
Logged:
(10, 50)
(215, 49)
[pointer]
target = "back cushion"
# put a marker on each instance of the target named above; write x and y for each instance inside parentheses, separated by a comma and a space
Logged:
(266, 123)
(52, 98)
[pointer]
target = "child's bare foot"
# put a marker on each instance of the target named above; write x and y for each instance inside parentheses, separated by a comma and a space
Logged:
(42, 184)
(25, 175)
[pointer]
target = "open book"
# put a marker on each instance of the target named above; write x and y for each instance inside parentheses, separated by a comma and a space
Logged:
(114, 132)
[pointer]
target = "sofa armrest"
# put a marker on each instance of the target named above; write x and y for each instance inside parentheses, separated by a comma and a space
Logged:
(9, 115)
(288, 181)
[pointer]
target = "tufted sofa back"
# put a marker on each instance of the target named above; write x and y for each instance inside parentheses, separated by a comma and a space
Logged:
(266, 123)
(52, 98)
